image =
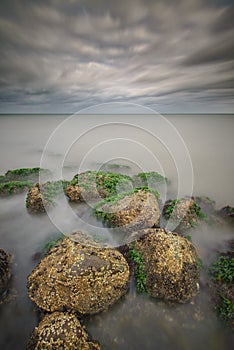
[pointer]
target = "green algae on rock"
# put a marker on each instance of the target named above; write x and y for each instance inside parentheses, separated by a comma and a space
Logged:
(24, 174)
(151, 179)
(61, 330)
(14, 187)
(170, 265)
(78, 277)
(133, 210)
(42, 197)
(92, 185)
(183, 214)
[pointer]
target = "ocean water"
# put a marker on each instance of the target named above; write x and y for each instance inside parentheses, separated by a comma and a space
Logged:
(195, 152)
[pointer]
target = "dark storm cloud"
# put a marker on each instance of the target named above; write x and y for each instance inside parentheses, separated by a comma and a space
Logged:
(62, 55)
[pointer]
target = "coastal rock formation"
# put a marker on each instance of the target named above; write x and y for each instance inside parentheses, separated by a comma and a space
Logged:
(42, 197)
(227, 213)
(93, 185)
(35, 201)
(61, 331)
(132, 211)
(5, 273)
(77, 277)
(183, 214)
(14, 187)
(170, 264)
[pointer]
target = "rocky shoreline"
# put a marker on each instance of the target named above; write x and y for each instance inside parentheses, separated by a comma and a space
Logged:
(78, 276)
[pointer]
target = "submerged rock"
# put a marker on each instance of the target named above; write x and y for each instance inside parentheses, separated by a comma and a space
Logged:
(170, 265)
(182, 214)
(61, 331)
(77, 277)
(227, 213)
(130, 211)
(5, 273)
(92, 185)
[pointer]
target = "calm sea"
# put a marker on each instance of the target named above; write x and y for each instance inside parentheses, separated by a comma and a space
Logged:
(195, 152)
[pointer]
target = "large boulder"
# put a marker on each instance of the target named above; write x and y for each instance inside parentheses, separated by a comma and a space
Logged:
(5, 273)
(169, 263)
(182, 214)
(130, 211)
(61, 331)
(79, 277)
(93, 185)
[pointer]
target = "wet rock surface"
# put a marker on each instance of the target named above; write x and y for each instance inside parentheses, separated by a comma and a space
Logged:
(77, 277)
(42, 197)
(134, 211)
(170, 264)
(35, 202)
(183, 214)
(94, 185)
(5, 273)
(61, 331)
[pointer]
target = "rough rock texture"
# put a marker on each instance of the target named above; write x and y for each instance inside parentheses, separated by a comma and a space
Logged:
(93, 185)
(35, 201)
(74, 276)
(170, 264)
(5, 273)
(227, 213)
(61, 331)
(183, 214)
(132, 212)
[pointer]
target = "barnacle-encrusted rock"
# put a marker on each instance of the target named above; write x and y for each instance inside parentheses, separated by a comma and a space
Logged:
(92, 185)
(61, 331)
(35, 201)
(132, 211)
(170, 264)
(183, 214)
(74, 276)
(5, 272)
(41, 197)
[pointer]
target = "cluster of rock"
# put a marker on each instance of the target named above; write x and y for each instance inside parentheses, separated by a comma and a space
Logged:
(78, 277)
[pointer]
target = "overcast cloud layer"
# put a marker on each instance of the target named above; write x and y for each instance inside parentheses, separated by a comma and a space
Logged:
(62, 55)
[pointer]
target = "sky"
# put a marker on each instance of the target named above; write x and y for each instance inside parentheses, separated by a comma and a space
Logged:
(60, 56)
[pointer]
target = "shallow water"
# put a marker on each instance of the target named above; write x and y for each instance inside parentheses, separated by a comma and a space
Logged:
(136, 322)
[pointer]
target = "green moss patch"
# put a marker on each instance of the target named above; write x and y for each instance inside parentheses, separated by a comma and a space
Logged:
(13, 187)
(150, 179)
(140, 275)
(23, 174)
(111, 183)
(222, 270)
(52, 189)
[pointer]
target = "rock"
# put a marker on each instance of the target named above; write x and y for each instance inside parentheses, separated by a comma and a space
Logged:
(93, 185)
(132, 211)
(14, 187)
(35, 201)
(61, 331)
(182, 214)
(227, 213)
(207, 205)
(42, 197)
(77, 277)
(170, 265)
(5, 273)
(222, 287)
(150, 179)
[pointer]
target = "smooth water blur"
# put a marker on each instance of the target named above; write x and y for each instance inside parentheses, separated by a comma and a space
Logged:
(90, 142)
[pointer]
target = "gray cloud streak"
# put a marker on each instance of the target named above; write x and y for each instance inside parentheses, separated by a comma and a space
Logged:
(62, 55)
